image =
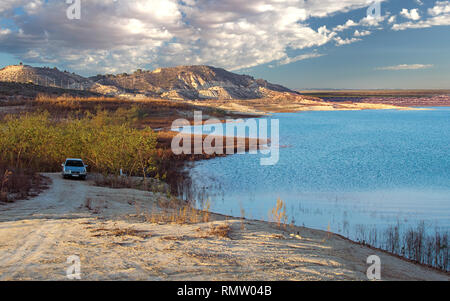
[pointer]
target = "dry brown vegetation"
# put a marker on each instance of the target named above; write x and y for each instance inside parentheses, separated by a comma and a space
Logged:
(175, 211)
(222, 231)
(135, 115)
(154, 113)
(37, 142)
(368, 93)
(140, 183)
(278, 214)
(15, 92)
(118, 232)
(405, 98)
(20, 184)
(414, 243)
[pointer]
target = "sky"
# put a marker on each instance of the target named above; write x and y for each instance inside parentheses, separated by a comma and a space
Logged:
(302, 44)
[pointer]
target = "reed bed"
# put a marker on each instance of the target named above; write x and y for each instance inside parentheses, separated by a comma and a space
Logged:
(414, 243)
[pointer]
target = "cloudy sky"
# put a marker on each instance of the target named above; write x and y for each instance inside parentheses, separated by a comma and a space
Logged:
(298, 43)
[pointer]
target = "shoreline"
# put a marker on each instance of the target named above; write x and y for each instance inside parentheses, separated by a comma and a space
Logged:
(342, 236)
(115, 240)
(187, 167)
(202, 156)
(264, 107)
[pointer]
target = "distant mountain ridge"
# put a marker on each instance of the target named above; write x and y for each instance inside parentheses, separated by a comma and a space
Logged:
(49, 77)
(177, 83)
(53, 78)
(192, 82)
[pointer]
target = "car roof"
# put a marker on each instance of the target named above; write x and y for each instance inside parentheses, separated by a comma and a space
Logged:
(72, 159)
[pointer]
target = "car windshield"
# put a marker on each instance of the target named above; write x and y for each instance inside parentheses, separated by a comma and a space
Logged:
(74, 163)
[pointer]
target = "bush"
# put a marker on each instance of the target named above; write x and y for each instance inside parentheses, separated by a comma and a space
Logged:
(104, 141)
(18, 184)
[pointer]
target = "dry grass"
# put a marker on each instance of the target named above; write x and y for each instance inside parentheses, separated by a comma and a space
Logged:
(278, 214)
(18, 184)
(181, 216)
(155, 113)
(118, 232)
(28, 91)
(174, 211)
(172, 238)
(222, 231)
(139, 183)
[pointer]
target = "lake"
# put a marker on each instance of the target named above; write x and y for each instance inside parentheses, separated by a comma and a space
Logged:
(342, 171)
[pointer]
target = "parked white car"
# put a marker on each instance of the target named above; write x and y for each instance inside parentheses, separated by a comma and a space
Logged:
(74, 168)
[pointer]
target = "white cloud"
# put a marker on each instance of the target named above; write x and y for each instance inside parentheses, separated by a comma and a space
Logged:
(440, 16)
(412, 14)
(302, 57)
(405, 67)
(120, 36)
(5, 31)
(341, 42)
(33, 6)
(443, 20)
(362, 33)
(348, 24)
(441, 7)
(370, 21)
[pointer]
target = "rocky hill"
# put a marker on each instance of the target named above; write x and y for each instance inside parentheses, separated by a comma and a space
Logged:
(178, 83)
(48, 77)
(53, 78)
(192, 82)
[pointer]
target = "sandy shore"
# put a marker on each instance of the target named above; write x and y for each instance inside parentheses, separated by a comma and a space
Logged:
(105, 229)
(294, 103)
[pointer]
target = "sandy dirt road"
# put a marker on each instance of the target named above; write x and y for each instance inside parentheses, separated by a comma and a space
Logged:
(105, 229)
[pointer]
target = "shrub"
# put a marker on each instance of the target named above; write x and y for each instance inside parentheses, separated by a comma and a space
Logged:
(17, 184)
(108, 144)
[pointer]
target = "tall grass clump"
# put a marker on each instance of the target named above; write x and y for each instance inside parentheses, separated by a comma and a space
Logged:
(35, 141)
(175, 211)
(278, 214)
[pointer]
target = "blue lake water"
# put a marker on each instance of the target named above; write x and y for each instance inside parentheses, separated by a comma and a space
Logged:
(342, 171)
